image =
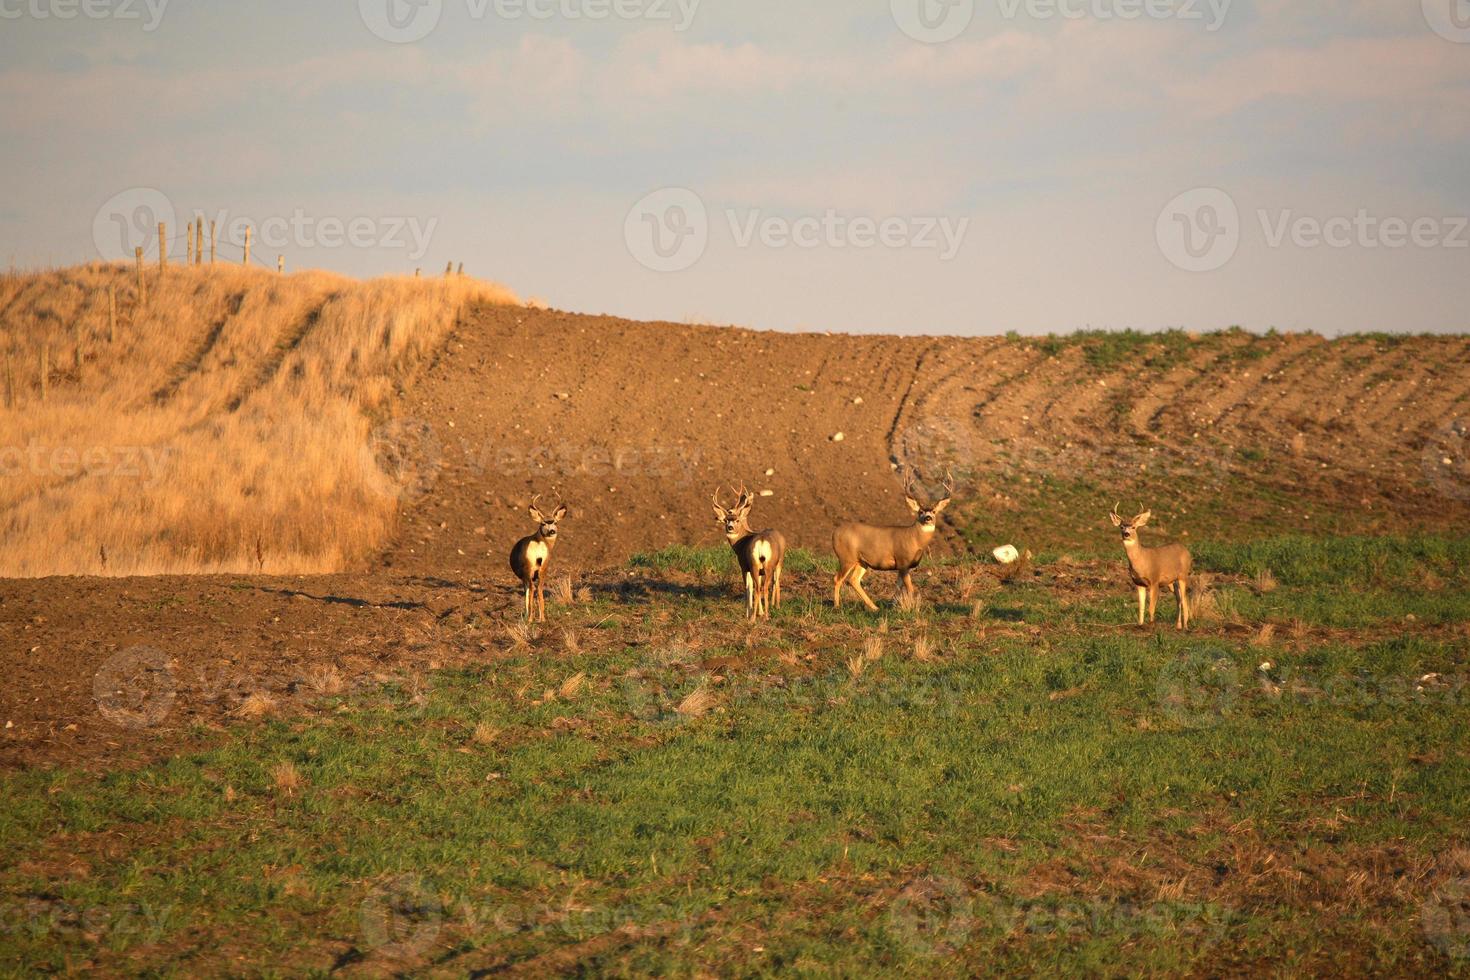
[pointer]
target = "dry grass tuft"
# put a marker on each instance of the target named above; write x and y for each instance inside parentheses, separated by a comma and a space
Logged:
(1264, 581)
(571, 641)
(485, 733)
(257, 705)
(697, 704)
(584, 595)
(924, 649)
(325, 681)
(562, 590)
(1264, 636)
(909, 602)
(245, 419)
(872, 648)
(856, 664)
(571, 686)
(521, 635)
(287, 778)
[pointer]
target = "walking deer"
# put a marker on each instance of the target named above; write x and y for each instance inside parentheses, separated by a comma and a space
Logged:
(862, 548)
(529, 557)
(1168, 565)
(760, 554)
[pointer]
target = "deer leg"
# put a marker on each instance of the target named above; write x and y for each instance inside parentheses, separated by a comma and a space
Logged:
(776, 586)
(749, 596)
(1183, 604)
(1153, 601)
(838, 581)
(1142, 603)
(856, 581)
(541, 598)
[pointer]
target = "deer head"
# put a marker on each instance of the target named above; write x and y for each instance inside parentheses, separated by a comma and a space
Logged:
(548, 524)
(925, 515)
(734, 518)
(1129, 526)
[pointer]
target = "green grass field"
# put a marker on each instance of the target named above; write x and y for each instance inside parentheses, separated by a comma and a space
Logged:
(1009, 779)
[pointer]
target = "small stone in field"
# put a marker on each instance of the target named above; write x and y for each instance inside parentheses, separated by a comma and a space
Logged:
(838, 437)
(858, 400)
(770, 472)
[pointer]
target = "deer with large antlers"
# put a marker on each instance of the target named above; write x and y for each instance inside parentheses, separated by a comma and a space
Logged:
(529, 557)
(760, 554)
(862, 548)
(1168, 565)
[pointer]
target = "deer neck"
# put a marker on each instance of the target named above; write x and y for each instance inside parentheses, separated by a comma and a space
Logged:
(549, 542)
(1138, 557)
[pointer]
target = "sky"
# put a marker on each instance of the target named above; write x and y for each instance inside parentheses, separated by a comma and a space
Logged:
(896, 166)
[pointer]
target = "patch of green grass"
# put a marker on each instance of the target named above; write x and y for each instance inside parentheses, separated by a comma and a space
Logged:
(1051, 789)
(1352, 561)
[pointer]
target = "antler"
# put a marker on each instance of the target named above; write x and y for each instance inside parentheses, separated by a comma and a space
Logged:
(948, 483)
(908, 481)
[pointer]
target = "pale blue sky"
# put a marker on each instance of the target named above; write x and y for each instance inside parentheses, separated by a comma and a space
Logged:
(1049, 145)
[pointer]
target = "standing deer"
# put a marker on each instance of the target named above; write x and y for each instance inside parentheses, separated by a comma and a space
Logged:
(1150, 568)
(760, 554)
(862, 548)
(529, 557)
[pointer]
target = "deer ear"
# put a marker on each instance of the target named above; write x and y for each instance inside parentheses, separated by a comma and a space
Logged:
(939, 507)
(1142, 519)
(1117, 521)
(913, 504)
(536, 515)
(560, 513)
(719, 512)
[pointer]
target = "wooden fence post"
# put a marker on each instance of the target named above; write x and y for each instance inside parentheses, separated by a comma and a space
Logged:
(461, 270)
(281, 264)
(162, 246)
(112, 314)
(449, 270)
(247, 246)
(142, 283)
(417, 273)
(198, 232)
(189, 244)
(213, 241)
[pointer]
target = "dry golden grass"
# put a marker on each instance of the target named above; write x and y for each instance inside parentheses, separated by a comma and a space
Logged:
(256, 705)
(229, 428)
(485, 733)
(287, 778)
(571, 686)
(697, 704)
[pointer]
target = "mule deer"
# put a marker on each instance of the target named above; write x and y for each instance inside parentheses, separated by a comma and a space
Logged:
(760, 554)
(862, 548)
(529, 557)
(1168, 565)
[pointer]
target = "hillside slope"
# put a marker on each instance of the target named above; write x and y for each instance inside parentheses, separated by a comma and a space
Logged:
(637, 423)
